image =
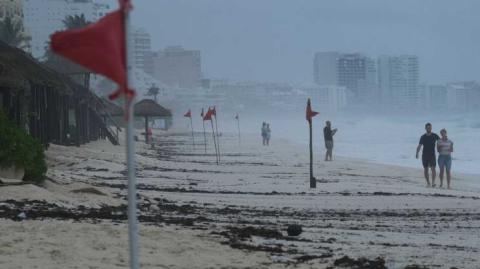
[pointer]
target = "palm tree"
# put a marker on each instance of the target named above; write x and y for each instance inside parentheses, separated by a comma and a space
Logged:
(70, 22)
(153, 91)
(80, 74)
(12, 33)
(75, 21)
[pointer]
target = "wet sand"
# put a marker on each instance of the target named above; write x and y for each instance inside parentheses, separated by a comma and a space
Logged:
(196, 214)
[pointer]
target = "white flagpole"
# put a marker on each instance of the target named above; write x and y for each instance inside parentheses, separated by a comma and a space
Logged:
(132, 181)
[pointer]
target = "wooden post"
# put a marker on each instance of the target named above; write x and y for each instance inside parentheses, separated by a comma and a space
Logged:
(313, 181)
(204, 136)
(238, 125)
(214, 142)
(193, 137)
(218, 139)
(146, 130)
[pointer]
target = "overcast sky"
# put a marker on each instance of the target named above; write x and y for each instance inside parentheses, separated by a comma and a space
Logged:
(274, 40)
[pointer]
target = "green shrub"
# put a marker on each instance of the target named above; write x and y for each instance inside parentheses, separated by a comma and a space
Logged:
(22, 150)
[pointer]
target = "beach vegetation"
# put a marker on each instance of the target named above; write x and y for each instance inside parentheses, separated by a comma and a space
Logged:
(21, 150)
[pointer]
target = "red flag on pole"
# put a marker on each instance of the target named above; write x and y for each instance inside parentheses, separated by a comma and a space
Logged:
(188, 114)
(310, 113)
(208, 115)
(100, 47)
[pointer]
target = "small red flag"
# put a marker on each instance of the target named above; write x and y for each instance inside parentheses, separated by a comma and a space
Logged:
(208, 115)
(100, 47)
(310, 113)
(188, 114)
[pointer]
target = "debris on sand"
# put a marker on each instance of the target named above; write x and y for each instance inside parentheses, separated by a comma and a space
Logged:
(360, 263)
(294, 230)
(415, 266)
(247, 232)
(89, 190)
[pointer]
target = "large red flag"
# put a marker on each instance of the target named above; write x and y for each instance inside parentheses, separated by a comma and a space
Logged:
(100, 47)
(310, 113)
(188, 114)
(208, 115)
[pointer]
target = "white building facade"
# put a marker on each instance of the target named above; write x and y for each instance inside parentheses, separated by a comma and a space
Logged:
(353, 71)
(141, 48)
(398, 80)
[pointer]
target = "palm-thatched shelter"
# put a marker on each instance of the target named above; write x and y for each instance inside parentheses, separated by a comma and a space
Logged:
(48, 105)
(150, 110)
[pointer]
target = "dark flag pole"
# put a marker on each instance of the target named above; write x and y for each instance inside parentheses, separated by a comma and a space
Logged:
(189, 115)
(193, 136)
(218, 135)
(214, 142)
(309, 115)
(204, 133)
(238, 127)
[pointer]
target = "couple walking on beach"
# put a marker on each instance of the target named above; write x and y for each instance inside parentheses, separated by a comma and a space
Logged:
(444, 147)
(266, 133)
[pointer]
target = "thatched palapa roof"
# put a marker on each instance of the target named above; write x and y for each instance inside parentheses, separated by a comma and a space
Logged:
(149, 108)
(18, 69)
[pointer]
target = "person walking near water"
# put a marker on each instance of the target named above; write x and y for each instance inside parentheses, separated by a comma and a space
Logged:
(328, 134)
(264, 133)
(428, 141)
(268, 134)
(445, 149)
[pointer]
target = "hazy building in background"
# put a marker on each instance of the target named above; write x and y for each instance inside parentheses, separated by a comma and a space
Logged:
(14, 10)
(329, 98)
(177, 67)
(354, 71)
(325, 68)
(398, 80)
(463, 96)
(435, 97)
(141, 47)
(44, 17)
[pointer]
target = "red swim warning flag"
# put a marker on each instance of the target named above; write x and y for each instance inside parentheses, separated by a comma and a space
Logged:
(100, 47)
(310, 113)
(208, 115)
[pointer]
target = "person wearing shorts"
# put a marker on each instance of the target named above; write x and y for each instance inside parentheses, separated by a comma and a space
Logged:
(445, 149)
(428, 141)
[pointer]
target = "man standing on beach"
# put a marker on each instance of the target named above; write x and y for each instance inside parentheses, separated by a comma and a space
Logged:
(428, 141)
(328, 134)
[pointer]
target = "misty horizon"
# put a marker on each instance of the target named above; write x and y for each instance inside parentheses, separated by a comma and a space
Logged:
(276, 40)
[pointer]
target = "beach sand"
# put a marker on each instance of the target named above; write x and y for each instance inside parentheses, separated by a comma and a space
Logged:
(197, 214)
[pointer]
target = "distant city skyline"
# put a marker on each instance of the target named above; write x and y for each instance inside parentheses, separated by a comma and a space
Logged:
(276, 40)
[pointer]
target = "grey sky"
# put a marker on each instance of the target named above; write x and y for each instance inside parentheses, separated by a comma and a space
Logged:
(274, 40)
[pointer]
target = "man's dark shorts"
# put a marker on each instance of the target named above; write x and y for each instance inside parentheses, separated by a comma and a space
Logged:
(429, 161)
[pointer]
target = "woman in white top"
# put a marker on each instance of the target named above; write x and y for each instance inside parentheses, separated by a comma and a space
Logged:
(445, 149)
